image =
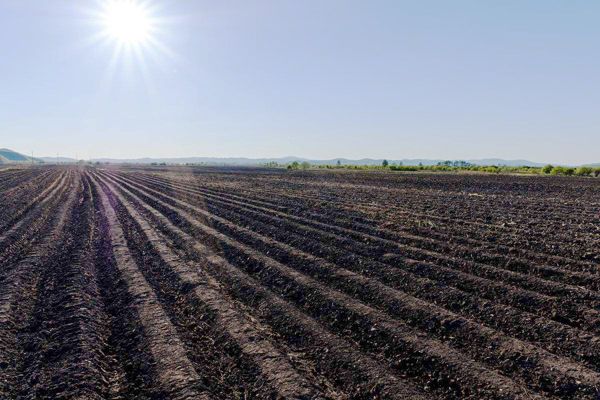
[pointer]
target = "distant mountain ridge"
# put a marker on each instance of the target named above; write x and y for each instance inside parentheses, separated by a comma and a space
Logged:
(60, 160)
(8, 156)
(243, 161)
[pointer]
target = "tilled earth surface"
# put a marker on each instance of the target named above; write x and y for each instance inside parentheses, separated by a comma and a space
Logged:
(224, 283)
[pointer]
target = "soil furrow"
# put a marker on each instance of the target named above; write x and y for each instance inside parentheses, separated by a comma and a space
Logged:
(183, 282)
(368, 326)
(546, 307)
(550, 280)
(250, 339)
(175, 375)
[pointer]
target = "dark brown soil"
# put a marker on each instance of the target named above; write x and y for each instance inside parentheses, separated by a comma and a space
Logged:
(225, 283)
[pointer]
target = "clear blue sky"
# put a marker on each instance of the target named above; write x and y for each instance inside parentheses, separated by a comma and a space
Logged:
(313, 78)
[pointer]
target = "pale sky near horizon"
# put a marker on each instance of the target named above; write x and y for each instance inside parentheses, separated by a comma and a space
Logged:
(315, 78)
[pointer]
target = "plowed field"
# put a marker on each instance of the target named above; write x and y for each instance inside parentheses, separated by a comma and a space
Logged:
(224, 283)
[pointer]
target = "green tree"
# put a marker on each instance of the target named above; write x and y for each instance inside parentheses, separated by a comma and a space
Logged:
(584, 171)
(546, 169)
(385, 163)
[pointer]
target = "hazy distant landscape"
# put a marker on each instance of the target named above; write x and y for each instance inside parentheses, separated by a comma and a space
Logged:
(288, 160)
(9, 156)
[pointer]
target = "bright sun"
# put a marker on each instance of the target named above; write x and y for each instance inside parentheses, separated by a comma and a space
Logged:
(134, 30)
(127, 21)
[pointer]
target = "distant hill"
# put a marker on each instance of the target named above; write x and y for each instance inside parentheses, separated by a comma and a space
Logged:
(12, 157)
(61, 160)
(508, 163)
(242, 161)
(9, 156)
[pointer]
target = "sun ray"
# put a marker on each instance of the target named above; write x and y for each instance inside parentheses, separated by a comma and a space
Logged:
(144, 70)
